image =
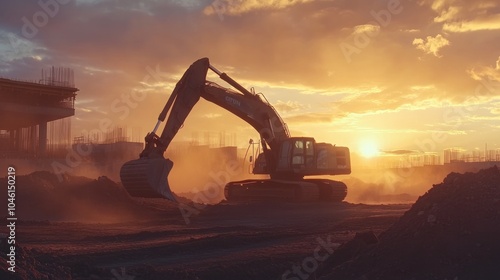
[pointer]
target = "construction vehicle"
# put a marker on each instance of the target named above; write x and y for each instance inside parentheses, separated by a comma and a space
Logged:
(287, 160)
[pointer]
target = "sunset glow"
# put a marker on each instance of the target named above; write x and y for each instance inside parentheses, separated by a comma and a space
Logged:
(417, 75)
(369, 149)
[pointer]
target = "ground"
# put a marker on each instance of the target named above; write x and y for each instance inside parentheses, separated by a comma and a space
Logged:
(222, 242)
(81, 228)
(90, 229)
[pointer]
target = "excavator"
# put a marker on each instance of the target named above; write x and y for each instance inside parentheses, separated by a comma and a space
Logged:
(286, 160)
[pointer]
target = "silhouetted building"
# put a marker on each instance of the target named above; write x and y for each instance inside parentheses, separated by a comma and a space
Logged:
(33, 115)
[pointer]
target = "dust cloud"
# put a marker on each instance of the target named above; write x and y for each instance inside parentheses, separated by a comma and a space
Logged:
(42, 196)
(397, 185)
(200, 174)
(389, 186)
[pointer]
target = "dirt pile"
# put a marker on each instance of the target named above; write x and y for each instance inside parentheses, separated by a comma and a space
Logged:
(451, 232)
(43, 195)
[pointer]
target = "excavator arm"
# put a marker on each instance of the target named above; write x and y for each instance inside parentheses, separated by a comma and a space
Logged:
(248, 106)
(185, 95)
(147, 176)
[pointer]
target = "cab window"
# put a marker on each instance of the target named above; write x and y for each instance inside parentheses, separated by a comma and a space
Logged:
(298, 148)
(309, 148)
(298, 153)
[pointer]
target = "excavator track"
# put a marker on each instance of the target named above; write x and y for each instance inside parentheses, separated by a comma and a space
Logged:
(330, 190)
(308, 190)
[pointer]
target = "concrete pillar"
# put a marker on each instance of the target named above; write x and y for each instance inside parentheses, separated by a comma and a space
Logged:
(18, 139)
(32, 140)
(12, 141)
(42, 141)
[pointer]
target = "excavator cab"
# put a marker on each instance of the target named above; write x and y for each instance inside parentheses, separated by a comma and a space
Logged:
(302, 156)
(298, 154)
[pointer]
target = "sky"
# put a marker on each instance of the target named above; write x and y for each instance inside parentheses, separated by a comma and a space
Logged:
(416, 75)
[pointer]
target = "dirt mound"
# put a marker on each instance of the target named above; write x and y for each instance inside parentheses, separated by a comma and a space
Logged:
(451, 232)
(45, 196)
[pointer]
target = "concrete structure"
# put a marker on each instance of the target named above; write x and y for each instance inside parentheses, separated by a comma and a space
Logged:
(26, 108)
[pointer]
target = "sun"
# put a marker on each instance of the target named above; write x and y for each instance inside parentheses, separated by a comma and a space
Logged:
(369, 149)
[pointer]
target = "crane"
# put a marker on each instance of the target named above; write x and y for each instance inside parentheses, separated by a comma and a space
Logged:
(287, 160)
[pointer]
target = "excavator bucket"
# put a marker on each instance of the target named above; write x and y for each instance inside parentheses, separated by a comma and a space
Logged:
(147, 177)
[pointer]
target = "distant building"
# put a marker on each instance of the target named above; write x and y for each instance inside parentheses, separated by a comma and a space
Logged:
(34, 115)
(454, 155)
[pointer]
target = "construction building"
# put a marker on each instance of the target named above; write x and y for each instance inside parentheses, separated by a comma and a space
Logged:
(34, 114)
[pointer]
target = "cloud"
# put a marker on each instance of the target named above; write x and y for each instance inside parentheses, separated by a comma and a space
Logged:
(400, 152)
(466, 16)
(431, 45)
(448, 14)
(491, 22)
(488, 73)
(83, 109)
(310, 118)
(289, 106)
(371, 29)
(410, 30)
(238, 7)
(460, 9)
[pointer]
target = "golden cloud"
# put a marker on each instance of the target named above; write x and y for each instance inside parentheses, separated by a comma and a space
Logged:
(431, 45)
(491, 22)
(367, 28)
(448, 14)
(288, 106)
(310, 118)
(491, 73)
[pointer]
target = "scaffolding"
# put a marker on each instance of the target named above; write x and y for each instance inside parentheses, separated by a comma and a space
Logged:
(58, 76)
(34, 116)
(113, 135)
(214, 139)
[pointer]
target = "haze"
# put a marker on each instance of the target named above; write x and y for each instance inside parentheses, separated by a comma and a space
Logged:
(372, 75)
